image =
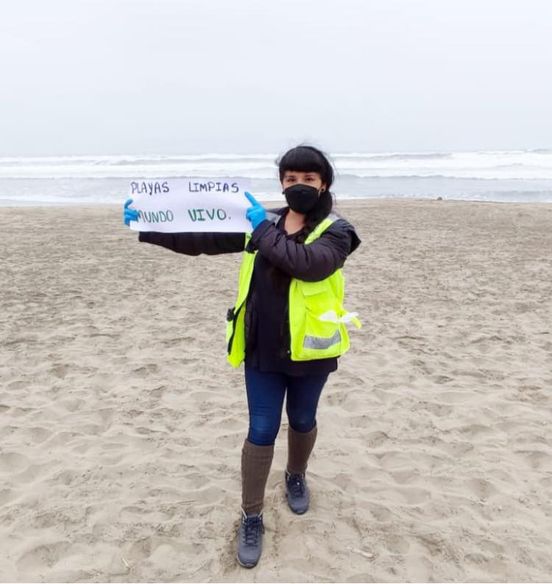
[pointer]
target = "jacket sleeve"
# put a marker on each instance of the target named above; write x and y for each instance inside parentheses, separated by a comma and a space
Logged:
(196, 243)
(311, 262)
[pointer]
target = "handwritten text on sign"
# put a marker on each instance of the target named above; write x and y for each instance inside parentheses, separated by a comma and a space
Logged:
(180, 205)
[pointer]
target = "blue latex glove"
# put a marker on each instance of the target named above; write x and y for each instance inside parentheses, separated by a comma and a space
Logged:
(129, 214)
(255, 214)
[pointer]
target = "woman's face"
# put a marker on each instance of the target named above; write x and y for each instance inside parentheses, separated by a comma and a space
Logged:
(294, 177)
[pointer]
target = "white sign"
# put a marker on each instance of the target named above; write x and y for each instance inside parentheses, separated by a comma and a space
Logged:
(181, 205)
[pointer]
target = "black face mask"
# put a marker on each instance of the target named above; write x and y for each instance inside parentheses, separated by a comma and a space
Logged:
(301, 198)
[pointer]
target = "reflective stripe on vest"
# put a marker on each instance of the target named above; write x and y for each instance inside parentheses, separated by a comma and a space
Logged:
(311, 337)
(321, 342)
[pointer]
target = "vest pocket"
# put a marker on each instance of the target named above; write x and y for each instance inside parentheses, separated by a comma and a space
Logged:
(323, 339)
(320, 339)
(313, 288)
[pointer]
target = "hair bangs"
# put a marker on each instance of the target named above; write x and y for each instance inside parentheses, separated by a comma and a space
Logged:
(306, 159)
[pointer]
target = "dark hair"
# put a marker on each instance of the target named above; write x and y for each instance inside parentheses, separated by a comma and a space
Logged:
(304, 158)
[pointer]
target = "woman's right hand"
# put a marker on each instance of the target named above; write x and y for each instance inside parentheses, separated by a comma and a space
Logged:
(129, 214)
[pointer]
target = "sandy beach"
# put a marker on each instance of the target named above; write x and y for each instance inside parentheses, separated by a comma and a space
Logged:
(121, 424)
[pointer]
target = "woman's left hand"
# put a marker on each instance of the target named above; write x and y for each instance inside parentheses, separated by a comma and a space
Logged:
(255, 214)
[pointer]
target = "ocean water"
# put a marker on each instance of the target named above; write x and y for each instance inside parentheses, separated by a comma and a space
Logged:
(504, 176)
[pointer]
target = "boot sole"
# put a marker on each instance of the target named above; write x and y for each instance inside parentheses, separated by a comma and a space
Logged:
(245, 565)
(293, 510)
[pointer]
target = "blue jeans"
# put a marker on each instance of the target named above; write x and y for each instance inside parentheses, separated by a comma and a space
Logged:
(265, 398)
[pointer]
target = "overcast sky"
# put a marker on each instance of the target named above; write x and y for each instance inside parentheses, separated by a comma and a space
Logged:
(189, 76)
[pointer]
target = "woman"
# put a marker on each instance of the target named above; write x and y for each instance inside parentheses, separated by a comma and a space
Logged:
(290, 277)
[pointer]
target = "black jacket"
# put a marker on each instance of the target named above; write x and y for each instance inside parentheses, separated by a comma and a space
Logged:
(280, 257)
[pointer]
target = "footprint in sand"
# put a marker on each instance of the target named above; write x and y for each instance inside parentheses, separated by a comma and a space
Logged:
(41, 556)
(480, 488)
(39, 434)
(12, 462)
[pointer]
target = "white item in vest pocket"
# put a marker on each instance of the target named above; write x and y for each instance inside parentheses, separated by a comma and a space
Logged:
(347, 318)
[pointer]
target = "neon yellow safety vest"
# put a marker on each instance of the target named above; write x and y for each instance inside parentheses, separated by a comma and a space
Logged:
(311, 337)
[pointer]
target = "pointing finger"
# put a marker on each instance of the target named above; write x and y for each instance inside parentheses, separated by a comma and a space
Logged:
(251, 198)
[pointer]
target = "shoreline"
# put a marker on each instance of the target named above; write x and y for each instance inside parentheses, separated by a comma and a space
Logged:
(353, 201)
